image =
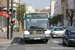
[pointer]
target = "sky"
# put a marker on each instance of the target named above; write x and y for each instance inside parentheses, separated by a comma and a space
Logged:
(37, 4)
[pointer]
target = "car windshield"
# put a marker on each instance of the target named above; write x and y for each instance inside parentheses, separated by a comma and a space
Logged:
(58, 29)
(51, 27)
(37, 23)
(72, 32)
(64, 27)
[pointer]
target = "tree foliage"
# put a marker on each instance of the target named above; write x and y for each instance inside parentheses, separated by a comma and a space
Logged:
(60, 17)
(21, 9)
(56, 19)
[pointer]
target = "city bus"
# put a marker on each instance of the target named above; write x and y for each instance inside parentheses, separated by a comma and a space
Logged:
(36, 27)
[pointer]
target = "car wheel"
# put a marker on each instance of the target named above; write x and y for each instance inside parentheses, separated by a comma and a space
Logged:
(63, 41)
(25, 41)
(52, 36)
(68, 44)
(46, 41)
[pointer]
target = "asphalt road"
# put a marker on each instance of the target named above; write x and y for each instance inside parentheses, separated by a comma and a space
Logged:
(53, 44)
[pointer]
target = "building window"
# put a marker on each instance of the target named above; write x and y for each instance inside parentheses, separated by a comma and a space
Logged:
(57, 2)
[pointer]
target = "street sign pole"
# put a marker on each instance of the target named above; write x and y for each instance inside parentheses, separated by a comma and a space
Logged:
(11, 19)
(7, 20)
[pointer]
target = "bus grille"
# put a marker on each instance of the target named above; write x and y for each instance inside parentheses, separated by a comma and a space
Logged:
(39, 32)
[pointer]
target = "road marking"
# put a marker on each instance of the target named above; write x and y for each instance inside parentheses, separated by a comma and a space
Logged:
(48, 42)
(56, 41)
(4, 47)
(15, 43)
(22, 36)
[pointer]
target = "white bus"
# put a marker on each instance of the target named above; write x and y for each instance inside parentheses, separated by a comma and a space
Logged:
(36, 27)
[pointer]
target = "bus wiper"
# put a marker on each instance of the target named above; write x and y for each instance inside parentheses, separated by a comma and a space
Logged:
(35, 27)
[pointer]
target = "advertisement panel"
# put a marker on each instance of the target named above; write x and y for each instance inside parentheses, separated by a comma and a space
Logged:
(3, 13)
(0, 13)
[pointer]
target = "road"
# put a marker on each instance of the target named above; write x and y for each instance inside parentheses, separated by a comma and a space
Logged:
(53, 44)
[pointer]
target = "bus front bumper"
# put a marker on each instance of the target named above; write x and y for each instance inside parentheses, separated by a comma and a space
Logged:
(37, 37)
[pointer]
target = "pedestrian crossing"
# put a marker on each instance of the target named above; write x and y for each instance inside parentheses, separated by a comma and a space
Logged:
(55, 41)
(4, 47)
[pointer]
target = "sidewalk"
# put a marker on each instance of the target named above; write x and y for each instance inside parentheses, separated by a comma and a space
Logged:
(4, 40)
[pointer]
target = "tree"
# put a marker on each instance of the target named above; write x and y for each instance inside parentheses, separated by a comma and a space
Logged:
(37, 10)
(21, 9)
(54, 20)
(44, 10)
(60, 17)
(70, 14)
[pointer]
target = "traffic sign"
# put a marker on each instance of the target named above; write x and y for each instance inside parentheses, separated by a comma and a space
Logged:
(8, 15)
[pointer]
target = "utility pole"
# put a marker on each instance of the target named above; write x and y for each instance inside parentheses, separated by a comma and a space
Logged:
(7, 20)
(11, 19)
(65, 12)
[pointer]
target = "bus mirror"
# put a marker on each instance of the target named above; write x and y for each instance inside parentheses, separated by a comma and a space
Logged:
(49, 19)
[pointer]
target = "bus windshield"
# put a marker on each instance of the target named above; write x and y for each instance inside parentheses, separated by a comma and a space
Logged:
(36, 23)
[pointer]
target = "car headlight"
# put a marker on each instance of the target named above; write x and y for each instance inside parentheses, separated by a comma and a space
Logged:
(71, 39)
(54, 33)
(47, 35)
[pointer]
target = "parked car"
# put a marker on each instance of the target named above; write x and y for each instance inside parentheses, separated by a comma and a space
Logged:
(65, 27)
(69, 37)
(57, 32)
(51, 29)
(56, 26)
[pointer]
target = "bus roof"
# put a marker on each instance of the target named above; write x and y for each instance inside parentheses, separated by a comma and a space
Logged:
(36, 12)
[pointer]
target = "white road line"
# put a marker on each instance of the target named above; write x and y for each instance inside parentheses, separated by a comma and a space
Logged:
(15, 43)
(48, 42)
(56, 41)
(4, 47)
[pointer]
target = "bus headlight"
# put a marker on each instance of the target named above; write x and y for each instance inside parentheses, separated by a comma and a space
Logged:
(26, 32)
(47, 32)
(71, 39)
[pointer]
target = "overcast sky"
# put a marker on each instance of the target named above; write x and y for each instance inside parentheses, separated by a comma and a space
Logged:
(37, 4)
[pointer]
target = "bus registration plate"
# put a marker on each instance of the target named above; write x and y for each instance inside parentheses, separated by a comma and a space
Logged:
(37, 38)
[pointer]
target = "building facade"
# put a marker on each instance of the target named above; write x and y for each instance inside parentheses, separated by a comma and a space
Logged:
(30, 9)
(55, 7)
(64, 4)
(3, 7)
(3, 19)
(3, 3)
(71, 5)
(68, 4)
(14, 4)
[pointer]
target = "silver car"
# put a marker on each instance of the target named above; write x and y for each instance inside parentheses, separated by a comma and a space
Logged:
(57, 32)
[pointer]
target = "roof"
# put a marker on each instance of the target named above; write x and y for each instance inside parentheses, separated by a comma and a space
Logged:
(71, 28)
(37, 12)
(57, 27)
